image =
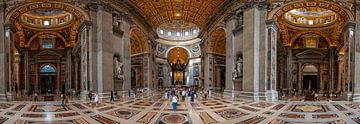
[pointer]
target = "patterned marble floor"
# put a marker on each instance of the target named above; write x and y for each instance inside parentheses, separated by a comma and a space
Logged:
(154, 109)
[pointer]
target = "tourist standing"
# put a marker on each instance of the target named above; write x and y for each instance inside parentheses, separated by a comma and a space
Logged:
(35, 96)
(112, 96)
(62, 100)
(129, 92)
(90, 95)
(174, 102)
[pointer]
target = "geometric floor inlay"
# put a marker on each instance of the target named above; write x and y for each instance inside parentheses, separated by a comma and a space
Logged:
(154, 109)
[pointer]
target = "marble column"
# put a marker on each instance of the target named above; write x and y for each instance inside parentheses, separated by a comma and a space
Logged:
(69, 69)
(84, 40)
(271, 62)
(300, 81)
(208, 70)
(58, 81)
(3, 53)
(76, 76)
(254, 81)
(104, 63)
(9, 44)
(356, 54)
(230, 55)
(350, 68)
(289, 68)
(340, 62)
(25, 73)
(332, 69)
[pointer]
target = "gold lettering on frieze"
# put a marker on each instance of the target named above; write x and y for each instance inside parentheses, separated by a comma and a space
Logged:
(311, 4)
(69, 9)
(298, 5)
(335, 8)
(58, 6)
(46, 5)
(34, 6)
(288, 8)
(324, 5)
(23, 9)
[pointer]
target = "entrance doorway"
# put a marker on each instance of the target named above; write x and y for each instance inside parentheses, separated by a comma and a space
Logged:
(310, 78)
(47, 79)
(310, 82)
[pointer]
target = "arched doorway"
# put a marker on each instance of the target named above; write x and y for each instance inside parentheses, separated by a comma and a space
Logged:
(217, 49)
(178, 59)
(310, 78)
(140, 59)
(47, 79)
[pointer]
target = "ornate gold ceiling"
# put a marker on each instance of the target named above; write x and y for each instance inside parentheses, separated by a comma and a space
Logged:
(332, 15)
(36, 17)
(217, 42)
(178, 53)
(161, 11)
(138, 42)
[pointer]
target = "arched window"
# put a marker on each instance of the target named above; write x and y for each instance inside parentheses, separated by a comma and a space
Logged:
(47, 69)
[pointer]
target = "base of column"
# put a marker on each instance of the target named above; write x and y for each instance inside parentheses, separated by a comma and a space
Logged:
(84, 95)
(104, 96)
(347, 96)
(356, 98)
(10, 96)
(3, 97)
(231, 93)
(257, 96)
(124, 93)
(272, 95)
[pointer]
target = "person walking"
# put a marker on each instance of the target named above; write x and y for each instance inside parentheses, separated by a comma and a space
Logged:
(112, 96)
(183, 95)
(90, 95)
(174, 102)
(96, 99)
(62, 96)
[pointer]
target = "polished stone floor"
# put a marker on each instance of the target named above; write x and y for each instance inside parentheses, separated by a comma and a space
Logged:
(150, 109)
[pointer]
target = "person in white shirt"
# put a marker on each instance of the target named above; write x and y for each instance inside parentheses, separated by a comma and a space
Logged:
(96, 100)
(183, 95)
(174, 102)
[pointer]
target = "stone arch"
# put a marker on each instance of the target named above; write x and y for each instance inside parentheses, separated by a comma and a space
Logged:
(169, 49)
(48, 32)
(276, 14)
(48, 64)
(217, 42)
(297, 35)
(138, 41)
(279, 11)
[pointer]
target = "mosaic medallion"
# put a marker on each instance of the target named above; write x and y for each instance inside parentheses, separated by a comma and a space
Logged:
(230, 114)
(124, 113)
(173, 118)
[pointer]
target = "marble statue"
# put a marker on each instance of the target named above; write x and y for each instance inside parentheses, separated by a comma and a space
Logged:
(118, 68)
(239, 66)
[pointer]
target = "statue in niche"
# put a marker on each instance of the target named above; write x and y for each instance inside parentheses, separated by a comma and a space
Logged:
(239, 65)
(116, 20)
(117, 68)
(238, 69)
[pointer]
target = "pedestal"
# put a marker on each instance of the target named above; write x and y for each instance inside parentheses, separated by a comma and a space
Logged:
(84, 95)
(10, 96)
(349, 96)
(356, 98)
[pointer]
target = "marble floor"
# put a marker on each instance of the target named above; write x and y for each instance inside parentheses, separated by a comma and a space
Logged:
(150, 109)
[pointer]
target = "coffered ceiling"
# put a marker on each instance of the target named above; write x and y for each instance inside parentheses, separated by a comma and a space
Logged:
(161, 11)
